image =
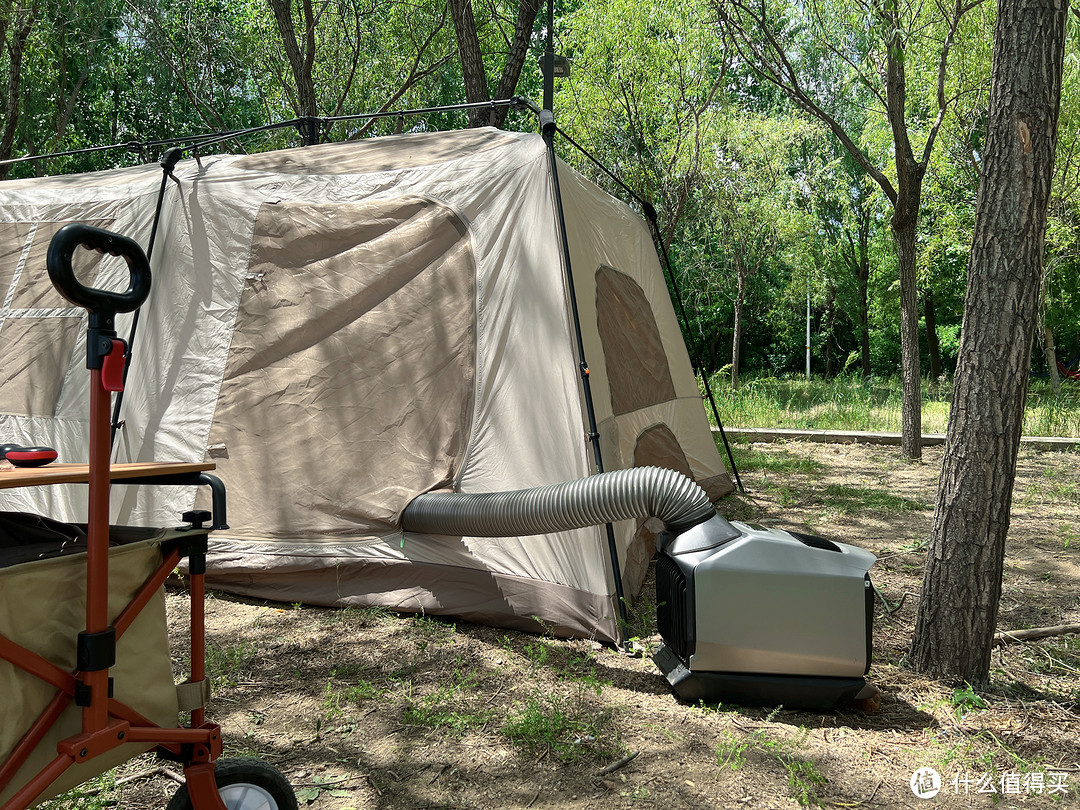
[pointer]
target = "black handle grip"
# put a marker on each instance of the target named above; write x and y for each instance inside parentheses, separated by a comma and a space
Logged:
(58, 261)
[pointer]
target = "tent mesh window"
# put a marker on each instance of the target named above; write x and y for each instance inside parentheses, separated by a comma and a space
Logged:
(638, 373)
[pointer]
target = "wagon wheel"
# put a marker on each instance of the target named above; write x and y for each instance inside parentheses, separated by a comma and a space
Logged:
(245, 784)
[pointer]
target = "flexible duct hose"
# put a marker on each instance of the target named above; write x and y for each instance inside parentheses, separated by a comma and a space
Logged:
(637, 493)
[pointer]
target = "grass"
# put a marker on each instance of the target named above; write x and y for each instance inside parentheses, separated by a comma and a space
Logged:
(94, 794)
(568, 725)
(847, 500)
(456, 705)
(795, 479)
(804, 779)
(229, 664)
(874, 404)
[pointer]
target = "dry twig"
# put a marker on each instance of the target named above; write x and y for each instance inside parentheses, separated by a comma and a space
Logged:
(614, 766)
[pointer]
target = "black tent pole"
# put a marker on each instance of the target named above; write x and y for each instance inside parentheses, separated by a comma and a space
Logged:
(699, 359)
(549, 61)
(547, 129)
(548, 123)
(168, 163)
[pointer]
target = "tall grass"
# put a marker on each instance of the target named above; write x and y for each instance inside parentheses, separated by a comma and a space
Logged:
(856, 403)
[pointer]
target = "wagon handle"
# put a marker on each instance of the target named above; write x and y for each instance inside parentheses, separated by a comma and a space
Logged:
(103, 303)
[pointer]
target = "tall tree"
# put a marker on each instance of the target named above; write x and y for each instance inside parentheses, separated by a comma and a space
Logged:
(875, 46)
(17, 21)
(757, 204)
(514, 46)
(962, 585)
(846, 216)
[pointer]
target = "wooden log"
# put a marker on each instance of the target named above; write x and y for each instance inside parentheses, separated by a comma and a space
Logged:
(1005, 636)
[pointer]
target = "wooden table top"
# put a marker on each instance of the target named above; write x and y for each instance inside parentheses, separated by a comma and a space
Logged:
(80, 473)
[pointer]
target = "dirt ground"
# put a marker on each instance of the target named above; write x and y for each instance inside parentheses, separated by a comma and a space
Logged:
(366, 709)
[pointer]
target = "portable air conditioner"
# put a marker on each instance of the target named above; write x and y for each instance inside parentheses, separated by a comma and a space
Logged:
(764, 617)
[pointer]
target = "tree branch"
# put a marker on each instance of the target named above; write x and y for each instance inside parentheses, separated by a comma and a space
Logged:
(770, 61)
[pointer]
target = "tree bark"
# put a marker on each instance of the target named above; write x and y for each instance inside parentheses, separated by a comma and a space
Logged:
(830, 327)
(957, 616)
(472, 59)
(904, 227)
(1007, 636)
(1051, 361)
(863, 276)
(905, 222)
(301, 57)
(515, 59)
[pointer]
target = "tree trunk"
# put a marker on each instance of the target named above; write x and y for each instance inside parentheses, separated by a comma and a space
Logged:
(905, 222)
(1051, 361)
(957, 616)
(714, 352)
(830, 329)
(736, 337)
(472, 60)
(863, 275)
(931, 336)
(515, 59)
(904, 226)
(301, 58)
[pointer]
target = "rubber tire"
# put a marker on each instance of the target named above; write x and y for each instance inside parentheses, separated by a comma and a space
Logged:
(245, 771)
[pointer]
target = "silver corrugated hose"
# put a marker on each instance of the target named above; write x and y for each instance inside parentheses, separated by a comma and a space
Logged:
(638, 493)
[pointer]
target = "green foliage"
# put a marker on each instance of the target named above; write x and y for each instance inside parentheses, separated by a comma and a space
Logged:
(346, 690)
(803, 777)
(227, 664)
(97, 793)
(849, 402)
(744, 182)
(568, 725)
(456, 705)
(965, 700)
(804, 780)
(320, 784)
(730, 752)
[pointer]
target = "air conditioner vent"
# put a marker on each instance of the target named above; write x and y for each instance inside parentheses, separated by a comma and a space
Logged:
(672, 606)
(814, 541)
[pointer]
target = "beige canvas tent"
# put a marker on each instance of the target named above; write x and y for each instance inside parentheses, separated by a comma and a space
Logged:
(343, 327)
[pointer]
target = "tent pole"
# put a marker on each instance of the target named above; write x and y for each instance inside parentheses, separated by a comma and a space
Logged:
(547, 124)
(549, 59)
(168, 163)
(697, 359)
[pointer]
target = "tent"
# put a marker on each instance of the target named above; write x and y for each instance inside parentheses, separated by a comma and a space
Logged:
(345, 326)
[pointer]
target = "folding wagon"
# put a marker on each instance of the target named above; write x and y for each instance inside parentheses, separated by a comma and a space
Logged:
(86, 678)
